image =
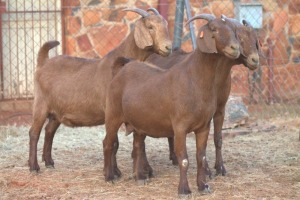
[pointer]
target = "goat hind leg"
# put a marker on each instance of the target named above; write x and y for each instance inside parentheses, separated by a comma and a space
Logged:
(110, 148)
(141, 167)
(50, 130)
(171, 149)
(39, 119)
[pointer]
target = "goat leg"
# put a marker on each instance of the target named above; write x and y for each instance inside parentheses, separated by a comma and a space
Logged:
(201, 142)
(110, 147)
(50, 130)
(171, 149)
(141, 167)
(181, 154)
(218, 123)
(34, 134)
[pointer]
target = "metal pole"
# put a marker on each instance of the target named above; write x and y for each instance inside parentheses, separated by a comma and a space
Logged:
(178, 24)
(189, 16)
(271, 73)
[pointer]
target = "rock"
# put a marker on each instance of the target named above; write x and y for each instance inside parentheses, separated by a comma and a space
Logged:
(236, 113)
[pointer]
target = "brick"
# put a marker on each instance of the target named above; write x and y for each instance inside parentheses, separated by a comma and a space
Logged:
(84, 43)
(280, 21)
(115, 15)
(223, 7)
(106, 38)
(91, 17)
(142, 4)
(294, 27)
(280, 52)
(116, 2)
(294, 7)
(269, 5)
(70, 46)
(73, 25)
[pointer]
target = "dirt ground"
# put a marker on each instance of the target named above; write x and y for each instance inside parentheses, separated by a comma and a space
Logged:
(262, 159)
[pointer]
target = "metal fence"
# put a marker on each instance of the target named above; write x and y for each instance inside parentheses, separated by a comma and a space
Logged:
(91, 28)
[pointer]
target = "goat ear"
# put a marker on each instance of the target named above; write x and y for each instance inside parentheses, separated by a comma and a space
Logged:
(205, 42)
(142, 36)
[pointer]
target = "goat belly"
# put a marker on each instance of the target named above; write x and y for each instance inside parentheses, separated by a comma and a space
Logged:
(149, 125)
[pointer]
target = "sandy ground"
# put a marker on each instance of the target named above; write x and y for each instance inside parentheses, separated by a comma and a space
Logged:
(262, 161)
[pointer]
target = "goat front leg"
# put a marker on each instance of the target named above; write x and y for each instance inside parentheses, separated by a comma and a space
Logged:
(183, 162)
(141, 167)
(201, 142)
(218, 123)
(172, 153)
(50, 130)
(110, 148)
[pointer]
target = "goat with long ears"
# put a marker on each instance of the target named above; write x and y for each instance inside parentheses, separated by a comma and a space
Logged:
(169, 103)
(72, 90)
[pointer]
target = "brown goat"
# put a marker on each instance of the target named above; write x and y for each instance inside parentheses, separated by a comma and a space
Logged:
(249, 46)
(167, 103)
(72, 90)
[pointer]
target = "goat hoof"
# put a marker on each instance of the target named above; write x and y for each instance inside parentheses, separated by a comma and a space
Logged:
(184, 196)
(205, 191)
(50, 166)
(34, 171)
(117, 172)
(142, 182)
(220, 170)
(184, 191)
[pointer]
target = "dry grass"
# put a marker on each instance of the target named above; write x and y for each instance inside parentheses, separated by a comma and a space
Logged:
(264, 164)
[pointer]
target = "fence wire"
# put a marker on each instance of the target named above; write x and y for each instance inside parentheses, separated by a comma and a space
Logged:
(92, 28)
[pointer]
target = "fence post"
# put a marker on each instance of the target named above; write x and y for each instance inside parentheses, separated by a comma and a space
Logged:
(271, 73)
(189, 16)
(178, 23)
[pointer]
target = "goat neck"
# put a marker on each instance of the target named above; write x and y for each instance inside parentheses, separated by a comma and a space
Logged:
(129, 49)
(198, 63)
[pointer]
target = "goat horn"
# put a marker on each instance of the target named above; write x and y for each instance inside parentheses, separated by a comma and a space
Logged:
(246, 23)
(138, 11)
(207, 17)
(153, 10)
(223, 17)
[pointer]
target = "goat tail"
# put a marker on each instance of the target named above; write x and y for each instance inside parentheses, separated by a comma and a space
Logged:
(43, 52)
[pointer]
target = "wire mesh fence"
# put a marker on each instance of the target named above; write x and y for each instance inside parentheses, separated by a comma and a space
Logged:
(92, 28)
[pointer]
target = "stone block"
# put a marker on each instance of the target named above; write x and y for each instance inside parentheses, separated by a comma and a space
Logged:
(73, 25)
(294, 7)
(280, 21)
(223, 7)
(105, 38)
(115, 15)
(84, 43)
(70, 46)
(90, 17)
(280, 50)
(294, 28)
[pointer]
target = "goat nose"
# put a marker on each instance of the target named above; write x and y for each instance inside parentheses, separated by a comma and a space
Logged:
(234, 46)
(255, 59)
(169, 47)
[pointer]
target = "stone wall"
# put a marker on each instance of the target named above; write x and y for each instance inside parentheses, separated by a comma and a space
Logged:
(94, 27)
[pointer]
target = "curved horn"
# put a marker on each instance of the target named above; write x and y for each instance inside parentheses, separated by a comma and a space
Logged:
(138, 11)
(246, 23)
(223, 17)
(207, 17)
(153, 10)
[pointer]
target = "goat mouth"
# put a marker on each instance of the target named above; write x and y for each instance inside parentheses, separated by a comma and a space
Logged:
(252, 67)
(163, 53)
(232, 55)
